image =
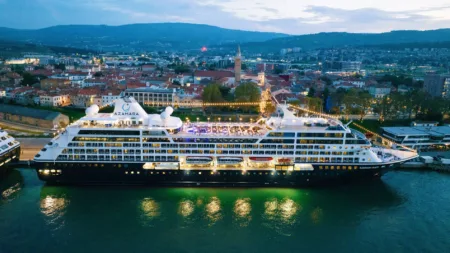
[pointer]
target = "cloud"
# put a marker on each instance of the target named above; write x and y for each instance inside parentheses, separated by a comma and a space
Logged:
(287, 16)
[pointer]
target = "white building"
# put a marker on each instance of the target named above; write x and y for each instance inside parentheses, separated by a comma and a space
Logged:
(110, 97)
(419, 137)
(54, 100)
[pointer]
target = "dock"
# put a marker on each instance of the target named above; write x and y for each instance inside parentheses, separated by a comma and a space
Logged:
(430, 161)
(29, 147)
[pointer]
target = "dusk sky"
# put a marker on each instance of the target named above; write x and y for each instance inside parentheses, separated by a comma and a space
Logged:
(286, 16)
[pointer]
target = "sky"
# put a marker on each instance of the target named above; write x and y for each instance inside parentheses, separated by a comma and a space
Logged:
(285, 16)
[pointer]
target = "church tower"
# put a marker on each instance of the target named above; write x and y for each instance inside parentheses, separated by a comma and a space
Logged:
(237, 66)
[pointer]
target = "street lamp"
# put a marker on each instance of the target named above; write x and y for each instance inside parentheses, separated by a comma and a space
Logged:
(197, 119)
(208, 120)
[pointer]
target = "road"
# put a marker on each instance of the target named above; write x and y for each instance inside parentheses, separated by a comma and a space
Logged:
(31, 146)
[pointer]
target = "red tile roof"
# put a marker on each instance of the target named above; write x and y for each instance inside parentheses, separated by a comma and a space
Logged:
(213, 74)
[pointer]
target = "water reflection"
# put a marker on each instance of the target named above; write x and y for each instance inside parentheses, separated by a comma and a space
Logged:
(51, 206)
(54, 208)
(186, 208)
(213, 210)
(11, 186)
(284, 210)
(150, 208)
(242, 209)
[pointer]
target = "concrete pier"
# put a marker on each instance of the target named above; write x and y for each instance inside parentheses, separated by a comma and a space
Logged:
(30, 147)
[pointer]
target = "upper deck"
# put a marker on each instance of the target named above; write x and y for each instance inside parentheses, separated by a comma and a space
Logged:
(129, 115)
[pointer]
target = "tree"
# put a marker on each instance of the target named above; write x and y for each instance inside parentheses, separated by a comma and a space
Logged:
(364, 101)
(212, 94)
(269, 108)
(247, 92)
(179, 69)
(325, 95)
(225, 91)
(311, 92)
(98, 74)
(349, 100)
(143, 59)
(60, 66)
(327, 80)
(277, 71)
(29, 79)
(315, 104)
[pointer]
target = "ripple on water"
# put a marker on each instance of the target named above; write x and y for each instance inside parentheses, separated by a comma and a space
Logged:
(213, 211)
(149, 211)
(242, 212)
(54, 208)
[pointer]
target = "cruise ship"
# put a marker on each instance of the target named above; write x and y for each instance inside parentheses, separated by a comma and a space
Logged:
(129, 146)
(9, 151)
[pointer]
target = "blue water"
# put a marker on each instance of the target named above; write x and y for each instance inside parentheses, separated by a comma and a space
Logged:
(404, 212)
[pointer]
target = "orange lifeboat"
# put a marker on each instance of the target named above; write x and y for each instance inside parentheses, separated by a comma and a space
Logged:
(261, 159)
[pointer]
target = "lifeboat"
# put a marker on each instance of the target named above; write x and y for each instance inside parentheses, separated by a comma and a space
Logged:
(369, 135)
(284, 160)
(229, 160)
(198, 160)
(261, 159)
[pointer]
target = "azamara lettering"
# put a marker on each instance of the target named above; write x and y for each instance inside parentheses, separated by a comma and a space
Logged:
(126, 113)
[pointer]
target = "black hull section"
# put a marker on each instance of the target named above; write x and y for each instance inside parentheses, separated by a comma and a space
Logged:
(133, 174)
(6, 159)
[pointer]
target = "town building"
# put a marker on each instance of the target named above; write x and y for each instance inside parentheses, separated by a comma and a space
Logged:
(85, 98)
(152, 95)
(54, 100)
(51, 83)
(110, 96)
(200, 75)
(33, 117)
(419, 137)
(379, 90)
(237, 66)
(437, 85)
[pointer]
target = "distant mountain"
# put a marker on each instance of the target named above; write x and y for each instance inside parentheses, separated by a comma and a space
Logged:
(17, 49)
(329, 40)
(136, 36)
